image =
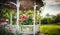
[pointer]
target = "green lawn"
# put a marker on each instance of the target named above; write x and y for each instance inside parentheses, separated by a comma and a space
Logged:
(51, 29)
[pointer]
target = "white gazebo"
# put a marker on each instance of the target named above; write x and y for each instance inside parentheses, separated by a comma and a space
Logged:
(24, 29)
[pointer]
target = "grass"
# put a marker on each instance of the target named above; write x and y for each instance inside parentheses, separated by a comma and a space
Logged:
(51, 29)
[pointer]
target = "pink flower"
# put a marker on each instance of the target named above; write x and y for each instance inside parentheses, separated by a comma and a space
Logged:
(10, 30)
(23, 17)
(2, 20)
(6, 34)
(7, 20)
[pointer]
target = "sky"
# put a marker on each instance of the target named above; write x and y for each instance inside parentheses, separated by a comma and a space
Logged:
(51, 8)
(52, 1)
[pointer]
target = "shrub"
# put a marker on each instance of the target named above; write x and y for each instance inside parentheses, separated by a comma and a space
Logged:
(50, 29)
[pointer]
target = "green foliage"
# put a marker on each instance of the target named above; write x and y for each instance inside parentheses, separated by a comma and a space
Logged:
(57, 20)
(4, 13)
(50, 29)
(28, 21)
(49, 19)
(30, 15)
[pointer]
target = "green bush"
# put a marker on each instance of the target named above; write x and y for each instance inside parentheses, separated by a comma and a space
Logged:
(50, 29)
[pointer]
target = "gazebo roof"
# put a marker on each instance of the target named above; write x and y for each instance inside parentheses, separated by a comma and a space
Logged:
(25, 4)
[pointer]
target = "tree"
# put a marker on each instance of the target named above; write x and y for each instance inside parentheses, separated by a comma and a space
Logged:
(57, 18)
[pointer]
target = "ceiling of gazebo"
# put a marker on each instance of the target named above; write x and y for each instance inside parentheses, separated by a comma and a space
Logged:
(25, 4)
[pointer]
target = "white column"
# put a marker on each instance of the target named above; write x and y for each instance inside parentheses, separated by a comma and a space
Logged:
(17, 15)
(18, 6)
(17, 21)
(10, 18)
(34, 18)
